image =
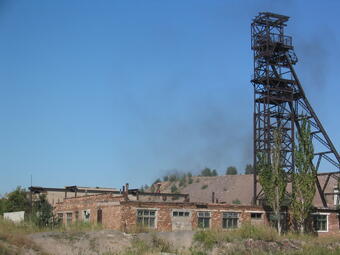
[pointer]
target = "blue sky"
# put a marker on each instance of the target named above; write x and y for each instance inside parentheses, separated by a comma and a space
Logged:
(100, 93)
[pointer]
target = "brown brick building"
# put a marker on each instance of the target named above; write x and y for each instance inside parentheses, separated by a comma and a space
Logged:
(122, 213)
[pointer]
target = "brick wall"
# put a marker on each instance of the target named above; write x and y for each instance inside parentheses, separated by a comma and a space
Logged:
(120, 214)
(109, 204)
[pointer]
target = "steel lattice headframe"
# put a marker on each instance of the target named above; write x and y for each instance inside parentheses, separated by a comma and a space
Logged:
(280, 102)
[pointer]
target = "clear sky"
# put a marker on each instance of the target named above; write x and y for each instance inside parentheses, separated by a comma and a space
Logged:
(100, 93)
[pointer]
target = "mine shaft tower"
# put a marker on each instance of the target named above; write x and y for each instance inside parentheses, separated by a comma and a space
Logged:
(280, 102)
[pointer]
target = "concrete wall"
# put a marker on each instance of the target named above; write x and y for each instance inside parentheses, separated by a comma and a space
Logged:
(16, 217)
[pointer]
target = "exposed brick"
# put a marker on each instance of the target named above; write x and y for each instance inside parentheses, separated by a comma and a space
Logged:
(121, 214)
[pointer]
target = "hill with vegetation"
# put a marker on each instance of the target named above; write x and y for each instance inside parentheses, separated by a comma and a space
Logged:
(231, 188)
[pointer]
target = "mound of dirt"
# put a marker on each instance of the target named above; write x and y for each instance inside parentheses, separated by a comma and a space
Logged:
(104, 241)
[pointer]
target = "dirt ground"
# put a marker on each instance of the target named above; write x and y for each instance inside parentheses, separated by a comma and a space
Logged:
(101, 242)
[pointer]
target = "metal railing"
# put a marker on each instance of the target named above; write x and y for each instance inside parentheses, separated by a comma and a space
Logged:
(262, 39)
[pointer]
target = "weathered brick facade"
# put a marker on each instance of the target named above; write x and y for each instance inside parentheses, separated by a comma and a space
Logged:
(120, 213)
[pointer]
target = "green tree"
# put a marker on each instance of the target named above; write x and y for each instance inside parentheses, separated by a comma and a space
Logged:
(42, 212)
(165, 178)
(273, 178)
(174, 189)
(249, 169)
(236, 202)
(214, 173)
(17, 200)
(2, 206)
(190, 180)
(231, 170)
(303, 183)
(182, 181)
(173, 177)
(206, 172)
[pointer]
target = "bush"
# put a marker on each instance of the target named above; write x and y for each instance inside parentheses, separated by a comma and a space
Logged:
(140, 247)
(204, 186)
(43, 213)
(207, 238)
(208, 172)
(260, 232)
(182, 181)
(231, 170)
(174, 189)
(160, 244)
(16, 200)
(236, 202)
(173, 178)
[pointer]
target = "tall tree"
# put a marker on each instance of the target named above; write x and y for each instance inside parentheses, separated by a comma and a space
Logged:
(273, 178)
(206, 172)
(231, 170)
(2, 205)
(249, 169)
(214, 173)
(42, 212)
(304, 177)
(17, 200)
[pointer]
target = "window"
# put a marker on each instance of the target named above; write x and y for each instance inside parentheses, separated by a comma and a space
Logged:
(86, 215)
(68, 218)
(320, 222)
(146, 218)
(230, 220)
(203, 219)
(256, 216)
(180, 214)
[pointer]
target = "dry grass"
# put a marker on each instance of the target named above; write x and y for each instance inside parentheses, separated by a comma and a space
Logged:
(16, 235)
(157, 246)
(308, 244)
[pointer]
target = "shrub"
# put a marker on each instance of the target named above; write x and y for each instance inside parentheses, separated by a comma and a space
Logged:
(204, 186)
(206, 237)
(209, 238)
(174, 189)
(182, 181)
(160, 244)
(260, 232)
(231, 170)
(173, 178)
(207, 172)
(236, 202)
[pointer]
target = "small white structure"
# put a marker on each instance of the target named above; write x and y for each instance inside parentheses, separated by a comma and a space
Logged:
(16, 217)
